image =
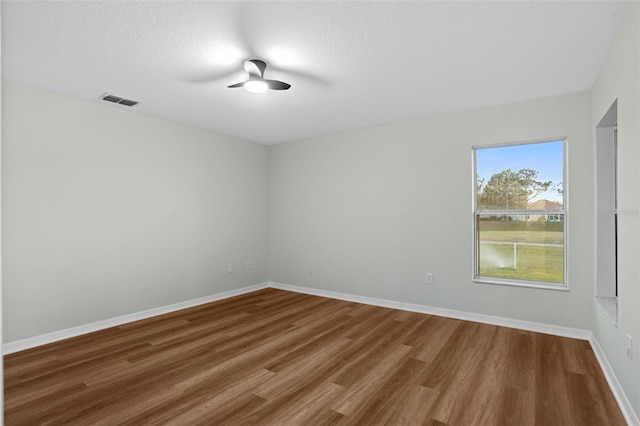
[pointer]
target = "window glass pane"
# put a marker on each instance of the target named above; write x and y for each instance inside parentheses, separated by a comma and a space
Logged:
(521, 247)
(520, 177)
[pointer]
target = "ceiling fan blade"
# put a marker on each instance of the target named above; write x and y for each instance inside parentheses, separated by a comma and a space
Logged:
(236, 85)
(277, 85)
(255, 67)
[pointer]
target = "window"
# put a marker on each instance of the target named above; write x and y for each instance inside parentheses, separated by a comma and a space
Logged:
(607, 213)
(520, 215)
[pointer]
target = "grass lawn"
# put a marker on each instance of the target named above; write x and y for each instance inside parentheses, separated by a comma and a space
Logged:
(534, 263)
(518, 231)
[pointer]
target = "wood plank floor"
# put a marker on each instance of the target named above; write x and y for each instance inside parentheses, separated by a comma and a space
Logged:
(279, 358)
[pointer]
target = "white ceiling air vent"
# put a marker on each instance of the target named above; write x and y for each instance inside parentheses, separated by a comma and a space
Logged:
(118, 100)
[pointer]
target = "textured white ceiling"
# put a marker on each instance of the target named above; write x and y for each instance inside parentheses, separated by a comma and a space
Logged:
(350, 64)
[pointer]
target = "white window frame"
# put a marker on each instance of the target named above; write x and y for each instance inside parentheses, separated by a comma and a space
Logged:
(607, 214)
(564, 286)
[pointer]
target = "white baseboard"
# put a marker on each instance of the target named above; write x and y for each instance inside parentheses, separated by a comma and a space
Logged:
(614, 384)
(576, 333)
(623, 402)
(31, 342)
(43, 339)
(556, 330)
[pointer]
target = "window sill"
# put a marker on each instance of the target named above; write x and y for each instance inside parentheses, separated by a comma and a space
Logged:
(527, 284)
(610, 307)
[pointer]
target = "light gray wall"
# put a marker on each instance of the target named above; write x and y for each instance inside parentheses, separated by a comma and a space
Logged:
(108, 212)
(620, 79)
(373, 210)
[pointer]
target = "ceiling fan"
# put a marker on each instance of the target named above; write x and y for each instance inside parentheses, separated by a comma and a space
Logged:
(257, 83)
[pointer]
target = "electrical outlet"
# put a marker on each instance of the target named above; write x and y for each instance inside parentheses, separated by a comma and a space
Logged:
(229, 267)
(428, 278)
(249, 264)
(629, 346)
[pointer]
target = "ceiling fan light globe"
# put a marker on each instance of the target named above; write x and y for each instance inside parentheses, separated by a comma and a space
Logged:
(256, 86)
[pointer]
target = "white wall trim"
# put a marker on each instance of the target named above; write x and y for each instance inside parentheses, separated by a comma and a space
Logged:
(623, 402)
(43, 339)
(556, 330)
(576, 333)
